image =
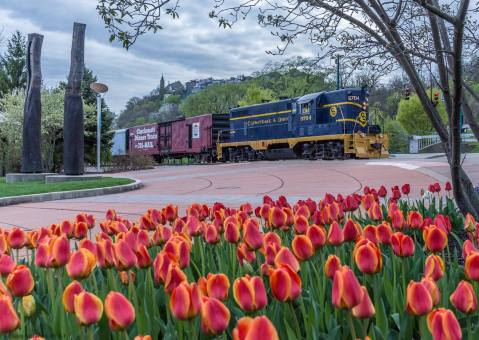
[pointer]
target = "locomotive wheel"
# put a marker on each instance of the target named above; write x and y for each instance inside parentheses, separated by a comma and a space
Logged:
(320, 151)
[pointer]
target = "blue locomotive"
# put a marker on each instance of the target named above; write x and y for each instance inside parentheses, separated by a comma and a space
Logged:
(323, 125)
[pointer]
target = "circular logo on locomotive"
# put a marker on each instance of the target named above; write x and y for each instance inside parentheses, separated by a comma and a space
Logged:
(362, 118)
(333, 111)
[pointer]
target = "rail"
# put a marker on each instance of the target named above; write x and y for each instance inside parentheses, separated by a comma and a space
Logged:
(420, 143)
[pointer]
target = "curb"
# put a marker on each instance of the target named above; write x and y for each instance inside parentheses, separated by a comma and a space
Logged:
(63, 195)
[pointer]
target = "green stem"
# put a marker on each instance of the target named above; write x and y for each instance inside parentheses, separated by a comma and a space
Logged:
(22, 320)
(90, 333)
(351, 325)
(125, 334)
(469, 327)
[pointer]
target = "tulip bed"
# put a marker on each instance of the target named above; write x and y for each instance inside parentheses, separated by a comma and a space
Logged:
(375, 265)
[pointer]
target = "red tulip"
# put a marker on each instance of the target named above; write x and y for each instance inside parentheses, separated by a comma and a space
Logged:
(277, 217)
(433, 289)
(403, 245)
(435, 238)
(143, 257)
(20, 281)
(397, 219)
(285, 283)
(285, 257)
(384, 233)
(81, 264)
(215, 316)
(382, 192)
(332, 264)
(80, 230)
(414, 219)
(406, 189)
(418, 299)
(252, 236)
(351, 231)
(335, 234)
(124, 256)
(464, 298)
(211, 234)
(471, 266)
(365, 309)
(346, 292)
(434, 267)
(104, 253)
(370, 233)
(59, 250)
(185, 301)
(9, 320)
(442, 324)
(467, 248)
(367, 256)
(232, 232)
(252, 329)
(448, 186)
(17, 238)
(7, 265)
(88, 308)
(170, 212)
(119, 311)
(68, 297)
(317, 235)
(174, 278)
(250, 293)
(302, 247)
(179, 246)
(301, 224)
(217, 286)
(374, 212)
(4, 246)
(243, 253)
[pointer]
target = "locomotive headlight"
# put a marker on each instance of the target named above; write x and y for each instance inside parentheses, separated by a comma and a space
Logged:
(362, 134)
(380, 135)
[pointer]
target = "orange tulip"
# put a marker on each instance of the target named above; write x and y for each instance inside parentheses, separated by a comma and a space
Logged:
(370, 233)
(119, 311)
(59, 250)
(434, 267)
(250, 293)
(464, 298)
(9, 320)
(346, 292)
(161, 265)
(20, 281)
(4, 246)
(367, 256)
(211, 234)
(252, 236)
(365, 309)
(317, 235)
(335, 234)
(332, 264)
(142, 337)
(127, 276)
(375, 213)
(272, 238)
(435, 238)
(414, 219)
(397, 219)
(285, 257)
(471, 266)
(104, 253)
(161, 235)
(124, 256)
(302, 247)
(174, 277)
(17, 238)
(301, 224)
(384, 233)
(285, 283)
(185, 301)
(232, 232)
(244, 254)
(403, 245)
(352, 230)
(258, 328)
(277, 217)
(418, 299)
(442, 324)
(215, 316)
(179, 246)
(80, 230)
(217, 286)
(88, 308)
(7, 265)
(81, 264)
(68, 297)
(143, 257)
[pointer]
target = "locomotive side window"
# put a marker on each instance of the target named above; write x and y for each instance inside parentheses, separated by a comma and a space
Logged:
(306, 108)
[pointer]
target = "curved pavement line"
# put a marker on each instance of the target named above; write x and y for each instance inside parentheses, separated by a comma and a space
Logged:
(64, 195)
(210, 184)
(281, 181)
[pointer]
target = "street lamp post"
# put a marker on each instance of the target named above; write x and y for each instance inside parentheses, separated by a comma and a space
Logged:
(98, 88)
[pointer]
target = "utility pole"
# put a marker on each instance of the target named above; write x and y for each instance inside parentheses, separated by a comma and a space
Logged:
(98, 88)
(338, 74)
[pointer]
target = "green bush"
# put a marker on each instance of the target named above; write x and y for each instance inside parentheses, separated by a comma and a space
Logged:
(398, 136)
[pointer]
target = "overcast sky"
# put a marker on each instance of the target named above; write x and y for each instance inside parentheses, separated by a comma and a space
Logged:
(191, 47)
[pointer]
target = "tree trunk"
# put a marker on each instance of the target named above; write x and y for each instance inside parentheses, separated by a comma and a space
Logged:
(32, 112)
(73, 126)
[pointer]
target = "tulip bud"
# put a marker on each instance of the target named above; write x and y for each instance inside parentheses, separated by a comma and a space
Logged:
(142, 337)
(59, 250)
(301, 224)
(28, 305)
(418, 299)
(250, 293)
(119, 311)
(9, 320)
(302, 247)
(335, 234)
(73, 289)
(435, 238)
(332, 264)
(243, 254)
(434, 267)
(81, 264)
(127, 276)
(346, 292)
(277, 217)
(185, 301)
(215, 316)
(406, 189)
(375, 213)
(317, 235)
(124, 256)
(464, 298)
(211, 234)
(471, 266)
(17, 238)
(285, 283)
(252, 236)
(442, 324)
(20, 281)
(365, 309)
(232, 233)
(217, 286)
(352, 231)
(285, 257)
(258, 328)
(88, 308)
(6, 264)
(174, 277)
(367, 256)
(414, 219)
(403, 245)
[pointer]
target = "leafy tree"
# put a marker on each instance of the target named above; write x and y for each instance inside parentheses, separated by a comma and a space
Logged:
(214, 99)
(256, 95)
(398, 136)
(173, 99)
(413, 118)
(12, 64)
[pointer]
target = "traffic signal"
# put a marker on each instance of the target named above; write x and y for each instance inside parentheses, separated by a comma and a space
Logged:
(435, 98)
(407, 93)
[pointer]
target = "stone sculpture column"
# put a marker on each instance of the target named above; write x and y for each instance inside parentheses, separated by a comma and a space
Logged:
(32, 111)
(73, 128)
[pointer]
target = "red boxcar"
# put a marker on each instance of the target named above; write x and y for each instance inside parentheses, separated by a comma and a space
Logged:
(143, 140)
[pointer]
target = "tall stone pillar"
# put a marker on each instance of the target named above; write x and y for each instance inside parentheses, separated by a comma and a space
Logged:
(32, 111)
(73, 126)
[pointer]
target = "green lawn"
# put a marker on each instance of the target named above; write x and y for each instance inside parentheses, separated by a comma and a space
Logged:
(17, 189)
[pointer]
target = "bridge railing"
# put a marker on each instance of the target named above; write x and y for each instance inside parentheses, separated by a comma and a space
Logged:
(419, 143)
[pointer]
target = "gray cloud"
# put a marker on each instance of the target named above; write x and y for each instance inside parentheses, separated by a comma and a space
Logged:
(188, 48)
